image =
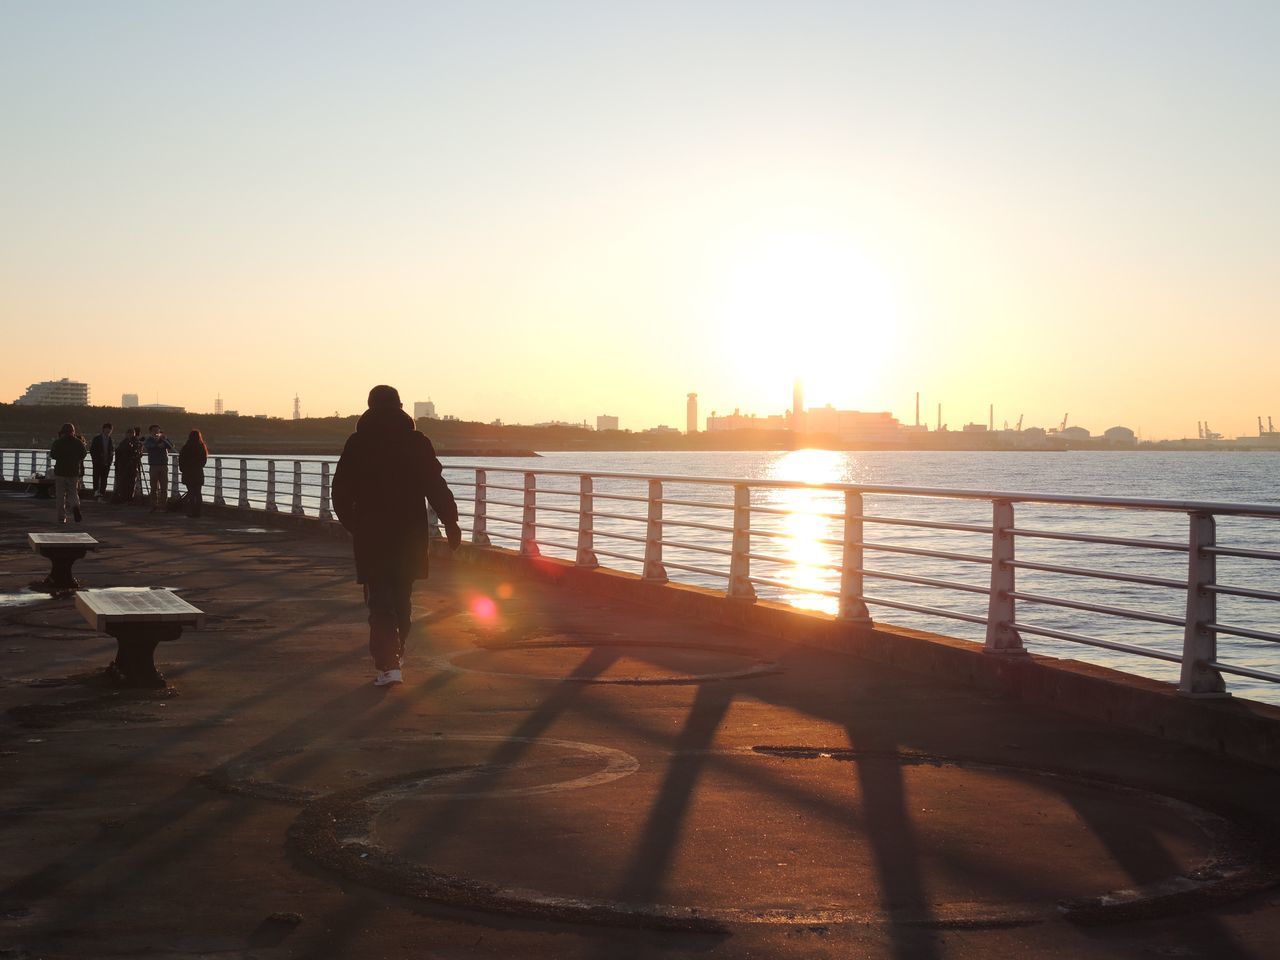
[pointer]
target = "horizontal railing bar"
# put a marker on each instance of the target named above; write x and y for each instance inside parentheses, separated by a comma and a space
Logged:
(543, 525)
(619, 496)
(925, 581)
(719, 551)
(1095, 642)
(714, 505)
(618, 516)
(500, 486)
(718, 528)
(1242, 552)
(504, 503)
(929, 611)
(723, 575)
(1244, 632)
(770, 558)
(501, 519)
(1241, 592)
(1099, 574)
(618, 556)
(542, 507)
(1244, 671)
(1178, 506)
(555, 543)
(1100, 608)
(784, 585)
(928, 524)
(920, 552)
(781, 512)
(790, 535)
(1092, 538)
(630, 538)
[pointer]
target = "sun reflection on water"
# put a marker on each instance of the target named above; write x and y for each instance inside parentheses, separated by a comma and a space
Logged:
(806, 526)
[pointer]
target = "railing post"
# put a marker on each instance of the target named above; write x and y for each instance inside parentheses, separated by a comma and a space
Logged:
(33, 463)
(244, 485)
(218, 499)
(853, 609)
(654, 571)
(325, 512)
(1002, 638)
(271, 487)
(1200, 641)
(16, 478)
(296, 509)
(529, 521)
(586, 525)
(480, 520)
(174, 489)
(740, 585)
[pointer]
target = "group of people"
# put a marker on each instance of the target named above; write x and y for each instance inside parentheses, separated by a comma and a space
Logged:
(384, 481)
(71, 449)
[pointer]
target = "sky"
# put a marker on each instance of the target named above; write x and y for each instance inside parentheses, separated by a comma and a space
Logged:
(553, 210)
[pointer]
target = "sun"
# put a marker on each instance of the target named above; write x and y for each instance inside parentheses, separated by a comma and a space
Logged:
(811, 307)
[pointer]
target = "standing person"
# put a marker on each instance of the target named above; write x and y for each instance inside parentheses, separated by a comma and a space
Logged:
(191, 463)
(158, 446)
(128, 466)
(387, 474)
(67, 453)
(102, 450)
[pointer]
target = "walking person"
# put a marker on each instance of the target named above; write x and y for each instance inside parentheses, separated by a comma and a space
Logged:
(67, 453)
(128, 466)
(386, 476)
(158, 446)
(191, 463)
(101, 450)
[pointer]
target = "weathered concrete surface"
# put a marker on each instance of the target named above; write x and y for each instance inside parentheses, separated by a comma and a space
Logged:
(563, 775)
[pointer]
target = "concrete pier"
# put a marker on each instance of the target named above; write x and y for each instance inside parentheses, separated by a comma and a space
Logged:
(569, 774)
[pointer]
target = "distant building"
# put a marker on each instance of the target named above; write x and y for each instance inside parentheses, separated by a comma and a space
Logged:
(128, 400)
(233, 413)
(606, 422)
(163, 408)
(740, 421)
(1120, 437)
(424, 410)
(55, 393)
(974, 428)
(853, 425)
(661, 429)
(297, 407)
(217, 406)
(691, 414)
(562, 423)
(1074, 433)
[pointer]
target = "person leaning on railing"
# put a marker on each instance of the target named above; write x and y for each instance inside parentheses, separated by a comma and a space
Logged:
(386, 470)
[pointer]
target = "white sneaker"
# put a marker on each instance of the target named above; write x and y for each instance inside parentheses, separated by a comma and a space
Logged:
(387, 677)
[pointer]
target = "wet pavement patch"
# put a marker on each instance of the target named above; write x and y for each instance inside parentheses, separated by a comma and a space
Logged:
(561, 659)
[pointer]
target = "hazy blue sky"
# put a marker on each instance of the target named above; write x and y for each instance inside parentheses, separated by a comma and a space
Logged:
(553, 210)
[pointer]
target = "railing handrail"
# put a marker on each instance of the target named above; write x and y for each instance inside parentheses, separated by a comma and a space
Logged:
(944, 493)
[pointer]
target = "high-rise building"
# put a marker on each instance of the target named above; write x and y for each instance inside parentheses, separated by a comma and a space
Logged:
(606, 422)
(56, 393)
(297, 407)
(797, 405)
(217, 406)
(424, 410)
(128, 400)
(691, 414)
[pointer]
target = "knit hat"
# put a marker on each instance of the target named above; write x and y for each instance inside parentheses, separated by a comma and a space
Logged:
(384, 396)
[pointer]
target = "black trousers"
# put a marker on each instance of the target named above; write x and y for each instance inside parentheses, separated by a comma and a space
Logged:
(390, 609)
(100, 471)
(195, 500)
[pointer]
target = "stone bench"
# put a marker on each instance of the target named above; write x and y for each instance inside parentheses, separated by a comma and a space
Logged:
(138, 619)
(61, 550)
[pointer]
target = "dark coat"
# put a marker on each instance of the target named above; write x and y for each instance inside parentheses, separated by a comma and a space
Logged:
(191, 461)
(67, 454)
(387, 474)
(102, 448)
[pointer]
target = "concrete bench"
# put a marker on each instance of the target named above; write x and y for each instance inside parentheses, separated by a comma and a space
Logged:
(61, 550)
(138, 619)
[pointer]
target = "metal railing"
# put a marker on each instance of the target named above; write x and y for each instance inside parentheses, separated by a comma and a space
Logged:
(735, 533)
